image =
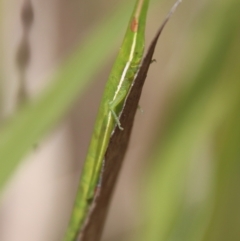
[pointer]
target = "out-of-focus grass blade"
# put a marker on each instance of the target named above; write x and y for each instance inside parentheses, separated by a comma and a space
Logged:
(226, 215)
(197, 114)
(1, 51)
(225, 221)
(29, 124)
(213, 217)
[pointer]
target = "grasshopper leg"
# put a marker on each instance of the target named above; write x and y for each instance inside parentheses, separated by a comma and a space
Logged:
(113, 104)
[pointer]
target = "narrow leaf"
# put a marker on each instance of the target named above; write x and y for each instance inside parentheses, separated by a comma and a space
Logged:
(118, 145)
(117, 87)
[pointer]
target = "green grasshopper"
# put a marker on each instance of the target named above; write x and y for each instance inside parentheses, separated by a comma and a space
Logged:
(114, 96)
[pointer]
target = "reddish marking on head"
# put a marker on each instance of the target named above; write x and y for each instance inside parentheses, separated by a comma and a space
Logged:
(134, 25)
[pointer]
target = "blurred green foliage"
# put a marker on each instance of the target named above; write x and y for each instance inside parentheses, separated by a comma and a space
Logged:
(33, 120)
(205, 106)
(1, 59)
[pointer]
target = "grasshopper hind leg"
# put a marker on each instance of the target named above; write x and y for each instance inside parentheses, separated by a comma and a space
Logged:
(116, 119)
(113, 106)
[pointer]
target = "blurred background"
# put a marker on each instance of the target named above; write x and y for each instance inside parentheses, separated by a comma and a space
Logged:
(180, 178)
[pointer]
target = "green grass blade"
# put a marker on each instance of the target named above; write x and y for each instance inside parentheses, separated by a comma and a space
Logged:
(130, 54)
(225, 220)
(1, 61)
